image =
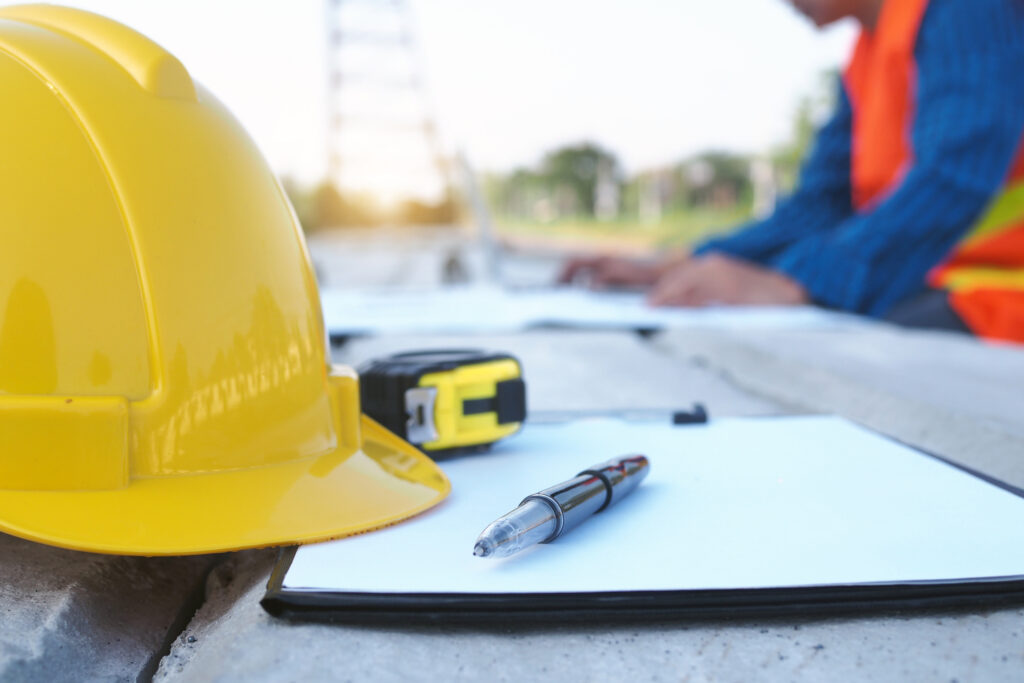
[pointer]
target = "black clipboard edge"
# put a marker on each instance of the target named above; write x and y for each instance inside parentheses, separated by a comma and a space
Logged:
(567, 608)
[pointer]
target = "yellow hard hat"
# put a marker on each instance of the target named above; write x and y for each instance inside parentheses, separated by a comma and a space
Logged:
(164, 387)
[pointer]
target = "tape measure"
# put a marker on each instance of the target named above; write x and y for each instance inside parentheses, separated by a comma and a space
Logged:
(445, 401)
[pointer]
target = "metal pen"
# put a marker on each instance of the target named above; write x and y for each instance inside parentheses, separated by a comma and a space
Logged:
(547, 514)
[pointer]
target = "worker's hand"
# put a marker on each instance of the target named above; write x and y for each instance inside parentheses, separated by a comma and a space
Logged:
(719, 279)
(614, 271)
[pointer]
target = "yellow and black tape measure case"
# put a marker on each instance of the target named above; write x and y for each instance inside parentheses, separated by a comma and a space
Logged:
(445, 401)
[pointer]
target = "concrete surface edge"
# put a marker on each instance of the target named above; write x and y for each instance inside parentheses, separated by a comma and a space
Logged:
(72, 616)
(967, 440)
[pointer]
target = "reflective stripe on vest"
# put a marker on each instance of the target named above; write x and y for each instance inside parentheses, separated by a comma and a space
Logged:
(985, 271)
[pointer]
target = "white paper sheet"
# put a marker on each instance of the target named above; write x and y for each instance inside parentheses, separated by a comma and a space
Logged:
(494, 310)
(740, 503)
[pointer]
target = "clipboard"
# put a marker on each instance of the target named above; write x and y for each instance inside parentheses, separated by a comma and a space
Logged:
(776, 516)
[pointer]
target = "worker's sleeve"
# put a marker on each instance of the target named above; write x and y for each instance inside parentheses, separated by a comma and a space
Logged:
(969, 118)
(821, 200)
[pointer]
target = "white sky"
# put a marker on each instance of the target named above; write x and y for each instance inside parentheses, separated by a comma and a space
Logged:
(653, 80)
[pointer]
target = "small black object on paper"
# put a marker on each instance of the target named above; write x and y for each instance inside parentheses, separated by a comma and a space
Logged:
(697, 416)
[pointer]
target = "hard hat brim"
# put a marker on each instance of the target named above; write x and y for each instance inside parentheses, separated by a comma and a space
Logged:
(304, 501)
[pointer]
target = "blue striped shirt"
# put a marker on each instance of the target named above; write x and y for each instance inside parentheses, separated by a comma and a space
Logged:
(969, 115)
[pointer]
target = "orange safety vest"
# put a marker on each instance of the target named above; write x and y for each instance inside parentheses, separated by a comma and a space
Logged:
(985, 271)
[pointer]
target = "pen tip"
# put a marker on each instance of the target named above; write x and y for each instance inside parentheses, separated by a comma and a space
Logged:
(482, 549)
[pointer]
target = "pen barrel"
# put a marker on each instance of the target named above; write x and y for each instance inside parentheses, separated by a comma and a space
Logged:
(592, 490)
(621, 475)
(573, 501)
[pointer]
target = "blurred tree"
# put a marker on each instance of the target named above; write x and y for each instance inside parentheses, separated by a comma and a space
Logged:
(573, 173)
(650, 195)
(517, 193)
(720, 179)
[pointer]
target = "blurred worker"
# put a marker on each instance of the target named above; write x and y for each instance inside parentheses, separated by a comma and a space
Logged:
(910, 205)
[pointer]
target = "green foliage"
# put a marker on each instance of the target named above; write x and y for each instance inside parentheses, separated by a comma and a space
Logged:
(515, 193)
(576, 169)
(728, 179)
(679, 227)
(691, 197)
(565, 183)
(678, 204)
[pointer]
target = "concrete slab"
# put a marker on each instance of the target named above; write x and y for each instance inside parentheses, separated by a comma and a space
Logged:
(946, 393)
(569, 371)
(954, 372)
(71, 616)
(231, 637)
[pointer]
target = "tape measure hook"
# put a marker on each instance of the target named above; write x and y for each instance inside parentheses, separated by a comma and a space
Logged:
(419, 408)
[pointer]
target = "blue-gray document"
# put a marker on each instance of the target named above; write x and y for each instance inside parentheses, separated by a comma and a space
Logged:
(547, 514)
